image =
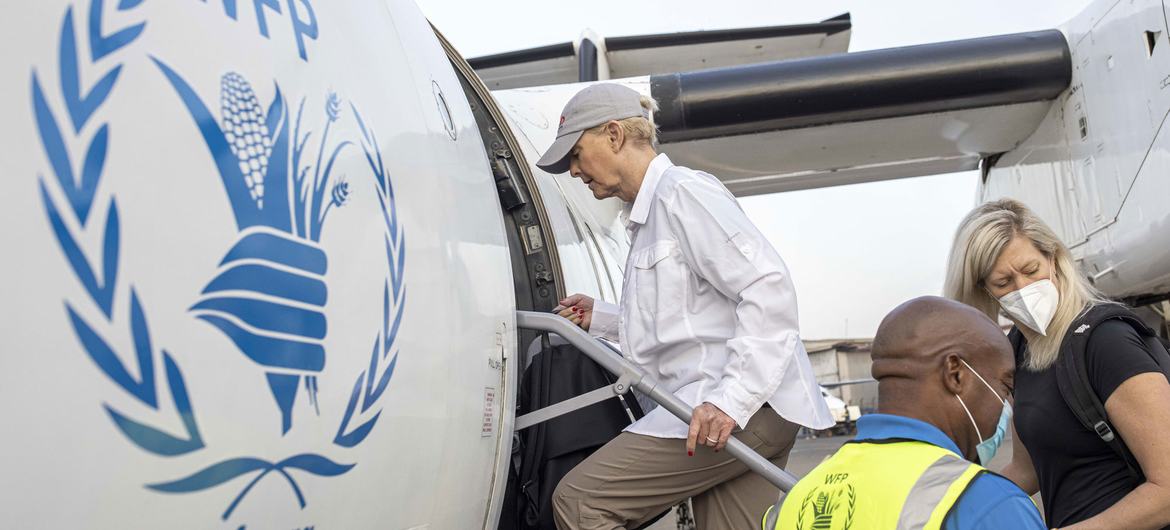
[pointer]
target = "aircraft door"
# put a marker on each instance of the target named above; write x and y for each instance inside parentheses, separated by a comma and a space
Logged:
(472, 273)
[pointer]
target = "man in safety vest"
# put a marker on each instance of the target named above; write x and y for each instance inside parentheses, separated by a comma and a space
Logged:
(945, 373)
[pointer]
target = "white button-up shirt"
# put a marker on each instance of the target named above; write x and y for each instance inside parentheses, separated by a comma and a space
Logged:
(708, 308)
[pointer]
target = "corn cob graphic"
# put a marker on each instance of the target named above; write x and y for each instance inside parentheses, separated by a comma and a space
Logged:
(823, 510)
(245, 131)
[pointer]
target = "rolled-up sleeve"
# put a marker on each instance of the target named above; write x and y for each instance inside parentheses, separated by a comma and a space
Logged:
(722, 246)
(605, 321)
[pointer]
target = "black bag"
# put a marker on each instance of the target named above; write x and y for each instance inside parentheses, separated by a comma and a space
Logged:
(1072, 375)
(545, 453)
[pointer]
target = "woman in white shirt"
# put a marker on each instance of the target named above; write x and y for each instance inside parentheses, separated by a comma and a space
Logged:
(708, 309)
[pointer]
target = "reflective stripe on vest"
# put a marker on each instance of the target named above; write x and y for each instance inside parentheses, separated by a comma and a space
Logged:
(772, 514)
(931, 489)
(876, 486)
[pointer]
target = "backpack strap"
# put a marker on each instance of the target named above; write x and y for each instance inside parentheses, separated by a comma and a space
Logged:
(1072, 376)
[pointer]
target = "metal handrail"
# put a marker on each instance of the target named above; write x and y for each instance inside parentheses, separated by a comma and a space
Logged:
(625, 370)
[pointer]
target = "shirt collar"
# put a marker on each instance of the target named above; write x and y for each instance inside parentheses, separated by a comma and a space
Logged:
(640, 209)
(889, 426)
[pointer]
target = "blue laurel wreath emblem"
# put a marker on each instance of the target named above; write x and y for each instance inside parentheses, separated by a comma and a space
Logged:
(270, 292)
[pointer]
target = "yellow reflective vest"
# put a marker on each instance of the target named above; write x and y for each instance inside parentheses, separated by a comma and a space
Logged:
(899, 485)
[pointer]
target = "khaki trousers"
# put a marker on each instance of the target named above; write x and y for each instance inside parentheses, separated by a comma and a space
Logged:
(634, 478)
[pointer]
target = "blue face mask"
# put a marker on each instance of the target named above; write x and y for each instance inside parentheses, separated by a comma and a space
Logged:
(987, 448)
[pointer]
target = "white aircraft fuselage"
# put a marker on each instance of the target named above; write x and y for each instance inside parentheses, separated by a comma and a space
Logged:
(258, 274)
(263, 259)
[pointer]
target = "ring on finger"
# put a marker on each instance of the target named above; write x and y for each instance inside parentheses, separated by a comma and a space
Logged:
(712, 440)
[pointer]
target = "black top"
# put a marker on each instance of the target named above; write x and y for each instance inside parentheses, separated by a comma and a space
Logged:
(1079, 475)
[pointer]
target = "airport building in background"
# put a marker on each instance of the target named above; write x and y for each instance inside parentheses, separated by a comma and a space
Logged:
(835, 360)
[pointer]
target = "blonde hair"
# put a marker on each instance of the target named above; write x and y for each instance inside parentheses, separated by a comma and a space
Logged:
(981, 238)
(641, 129)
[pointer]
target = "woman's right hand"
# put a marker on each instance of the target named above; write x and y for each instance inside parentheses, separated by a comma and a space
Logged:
(578, 308)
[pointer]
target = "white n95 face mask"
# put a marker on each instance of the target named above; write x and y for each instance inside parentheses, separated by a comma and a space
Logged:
(1033, 306)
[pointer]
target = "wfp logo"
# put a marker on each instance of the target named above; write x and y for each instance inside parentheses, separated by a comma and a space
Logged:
(270, 291)
(252, 298)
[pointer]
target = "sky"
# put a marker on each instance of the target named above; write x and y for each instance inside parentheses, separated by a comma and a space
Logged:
(855, 252)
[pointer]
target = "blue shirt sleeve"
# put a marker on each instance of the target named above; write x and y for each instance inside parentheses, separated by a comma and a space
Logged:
(992, 502)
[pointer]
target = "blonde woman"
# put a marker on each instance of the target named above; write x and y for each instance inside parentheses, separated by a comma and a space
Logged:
(1005, 260)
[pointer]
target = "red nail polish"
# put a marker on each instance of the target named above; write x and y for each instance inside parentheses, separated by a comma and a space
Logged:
(690, 453)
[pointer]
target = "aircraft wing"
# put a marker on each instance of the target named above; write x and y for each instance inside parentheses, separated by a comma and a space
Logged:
(836, 384)
(592, 58)
(846, 118)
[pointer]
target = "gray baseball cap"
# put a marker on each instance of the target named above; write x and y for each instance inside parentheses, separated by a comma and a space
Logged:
(593, 106)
